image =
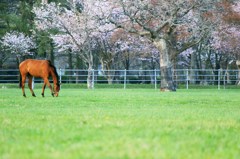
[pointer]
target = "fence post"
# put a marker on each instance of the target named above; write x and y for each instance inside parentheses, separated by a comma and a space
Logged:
(187, 78)
(155, 78)
(92, 78)
(219, 76)
(33, 83)
(224, 80)
(125, 78)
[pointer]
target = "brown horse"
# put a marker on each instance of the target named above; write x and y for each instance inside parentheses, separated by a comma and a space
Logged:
(38, 68)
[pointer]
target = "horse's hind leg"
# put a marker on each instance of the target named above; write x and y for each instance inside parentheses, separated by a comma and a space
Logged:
(30, 85)
(23, 84)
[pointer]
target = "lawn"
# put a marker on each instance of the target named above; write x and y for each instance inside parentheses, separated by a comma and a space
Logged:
(120, 124)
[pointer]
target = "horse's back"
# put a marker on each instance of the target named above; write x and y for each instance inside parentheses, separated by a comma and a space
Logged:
(34, 67)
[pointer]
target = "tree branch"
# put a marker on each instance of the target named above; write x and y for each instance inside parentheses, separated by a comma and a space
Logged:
(191, 44)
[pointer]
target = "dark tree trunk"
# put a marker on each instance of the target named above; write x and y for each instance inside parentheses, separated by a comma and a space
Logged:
(52, 53)
(70, 60)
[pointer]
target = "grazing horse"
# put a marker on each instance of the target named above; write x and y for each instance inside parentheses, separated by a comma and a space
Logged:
(38, 68)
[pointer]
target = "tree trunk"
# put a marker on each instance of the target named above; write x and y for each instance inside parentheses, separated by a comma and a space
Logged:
(70, 60)
(90, 77)
(193, 67)
(110, 73)
(79, 64)
(238, 66)
(167, 83)
(90, 84)
(51, 51)
(108, 70)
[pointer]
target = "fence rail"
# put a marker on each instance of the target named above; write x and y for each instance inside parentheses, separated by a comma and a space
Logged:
(185, 78)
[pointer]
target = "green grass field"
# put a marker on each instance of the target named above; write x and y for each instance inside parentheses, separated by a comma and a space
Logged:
(120, 124)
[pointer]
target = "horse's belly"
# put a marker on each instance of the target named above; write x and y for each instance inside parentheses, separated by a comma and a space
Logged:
(37, 73)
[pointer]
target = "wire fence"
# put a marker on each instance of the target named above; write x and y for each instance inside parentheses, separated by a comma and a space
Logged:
(183, 78)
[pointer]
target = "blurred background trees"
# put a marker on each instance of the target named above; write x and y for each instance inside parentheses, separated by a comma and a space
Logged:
(117, 34)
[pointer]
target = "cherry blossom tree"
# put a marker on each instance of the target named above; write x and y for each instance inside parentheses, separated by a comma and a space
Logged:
(226, 38)
(116, 49)
(172, 26)
(18, 44)
(76, 27)
(126, 46)
(107, 56)
(217, 49)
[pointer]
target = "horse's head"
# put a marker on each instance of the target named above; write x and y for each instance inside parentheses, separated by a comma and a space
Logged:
(56, 89)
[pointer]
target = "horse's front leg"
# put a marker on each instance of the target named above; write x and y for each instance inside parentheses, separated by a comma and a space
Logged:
(30, 85)
(46, 82)
(49, 85)
(43, 88)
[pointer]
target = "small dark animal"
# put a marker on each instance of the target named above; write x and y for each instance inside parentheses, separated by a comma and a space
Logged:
(38, 68)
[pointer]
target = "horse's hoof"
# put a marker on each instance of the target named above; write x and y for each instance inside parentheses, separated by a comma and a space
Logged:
(34, 95)
(24, 95)
(53, 94)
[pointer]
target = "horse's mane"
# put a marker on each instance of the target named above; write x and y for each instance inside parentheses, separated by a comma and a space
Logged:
(54, 70)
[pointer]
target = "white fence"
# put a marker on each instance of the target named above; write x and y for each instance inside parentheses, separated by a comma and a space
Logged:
(184, 78)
